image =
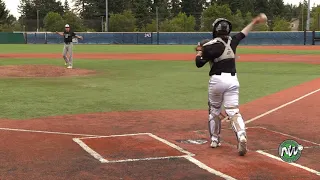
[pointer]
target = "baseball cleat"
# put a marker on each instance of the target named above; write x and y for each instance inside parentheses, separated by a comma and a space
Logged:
(242, 146)
(215, 144)
(69, 67)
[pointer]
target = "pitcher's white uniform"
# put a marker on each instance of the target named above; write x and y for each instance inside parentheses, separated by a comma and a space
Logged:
(223, 89)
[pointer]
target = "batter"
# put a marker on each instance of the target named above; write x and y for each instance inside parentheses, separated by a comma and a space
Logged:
(223, 89)
(68, 45)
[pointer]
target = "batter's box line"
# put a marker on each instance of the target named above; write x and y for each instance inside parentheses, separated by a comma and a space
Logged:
(293, 164)
(273, 131)
(103, 160)
(284, 134)
(188, 156)
(276, 149)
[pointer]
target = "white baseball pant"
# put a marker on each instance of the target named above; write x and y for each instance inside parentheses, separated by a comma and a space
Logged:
(68, 49)
(224, 91)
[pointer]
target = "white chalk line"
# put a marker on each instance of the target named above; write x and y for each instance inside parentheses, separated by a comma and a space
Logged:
(97, 156)
(304, 147)
(188, 155)
(48, 132)
(117, 135)
(293, 164)
(207, 168)
(181, 150)
(284, 134)
(146, 159)
(102, 160)
(90, 151)
(171, 144)
(248, 121)
(280, 107)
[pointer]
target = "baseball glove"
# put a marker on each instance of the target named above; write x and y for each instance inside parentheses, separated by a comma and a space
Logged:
(200, 44)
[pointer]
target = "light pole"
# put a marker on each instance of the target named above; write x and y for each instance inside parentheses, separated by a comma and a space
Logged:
(107, 12)
(102, 23)
(38, 20)
(308, 19)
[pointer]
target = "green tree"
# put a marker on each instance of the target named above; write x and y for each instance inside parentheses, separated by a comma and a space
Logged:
(276, 8)
(184, 23)
(163, 9)
(261, 27)
(212, 13)
(14, 26)
(288, 12)
(142, 9)
(315, 15)
(303, 14)
(280, 24)
(66, 6)
(247, 6)
(53, 22)
(28, 10)
(118, 6)
(194, 8)
(175, 7)
(74, 21)
(124, 22)
(92, 10)
(151, 27)
(180, 23)
(242, 5)
(166, 26)
(233, 4)
(5, 16)
(261, 6)
(237, 21)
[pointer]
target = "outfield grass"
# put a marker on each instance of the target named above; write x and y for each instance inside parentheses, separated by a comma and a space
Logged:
(136, 85)
(56, 48)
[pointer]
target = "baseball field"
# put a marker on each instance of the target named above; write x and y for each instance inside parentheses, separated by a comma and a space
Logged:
(140, 112)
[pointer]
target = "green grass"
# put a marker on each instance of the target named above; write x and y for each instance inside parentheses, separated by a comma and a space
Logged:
(136, 85)
(56, 48)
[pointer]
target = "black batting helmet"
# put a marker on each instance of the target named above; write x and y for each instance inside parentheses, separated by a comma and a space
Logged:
(221, 27)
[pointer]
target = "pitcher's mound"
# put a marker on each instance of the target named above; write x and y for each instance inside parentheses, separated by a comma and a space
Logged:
(41, 71)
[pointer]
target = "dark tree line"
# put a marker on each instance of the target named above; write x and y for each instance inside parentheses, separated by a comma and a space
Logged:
(140, 15)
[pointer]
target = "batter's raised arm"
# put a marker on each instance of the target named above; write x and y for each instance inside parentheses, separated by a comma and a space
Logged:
(262, 18)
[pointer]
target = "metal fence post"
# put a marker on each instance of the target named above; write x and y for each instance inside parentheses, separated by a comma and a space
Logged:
(46, 38)
(305, 37)
(313, 37)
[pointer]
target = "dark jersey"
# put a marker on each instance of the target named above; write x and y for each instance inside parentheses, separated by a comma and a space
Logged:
(213, 51)
(68, 36)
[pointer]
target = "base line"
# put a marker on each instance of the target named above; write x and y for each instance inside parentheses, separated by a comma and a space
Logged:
(110, 136)
(293, 164)
(171, 144)
(207, 168)
(47, 132)
(280, 107)
(146, 159)
(90, 151)
(284, 134)
(188, 155)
